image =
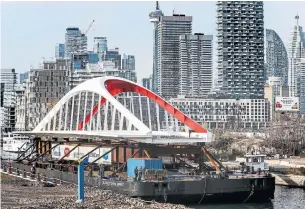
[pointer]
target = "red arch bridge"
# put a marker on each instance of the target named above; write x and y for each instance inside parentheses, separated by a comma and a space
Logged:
(113, 108)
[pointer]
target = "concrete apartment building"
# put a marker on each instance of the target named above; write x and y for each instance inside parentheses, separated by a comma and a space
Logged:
(44, 88)
(8, 79)
(128, 70)
(296, 54)
(249, 114)
(75, 42)
(100, 46)
(276, 57)
(21, 104)
(169, 30)
(196, 65)
(104, 68)
(240, 37)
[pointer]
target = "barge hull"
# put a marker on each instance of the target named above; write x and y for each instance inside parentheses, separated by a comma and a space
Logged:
(196, 191)
(260, 189)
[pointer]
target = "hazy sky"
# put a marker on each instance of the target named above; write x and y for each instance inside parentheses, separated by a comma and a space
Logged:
(30, 30)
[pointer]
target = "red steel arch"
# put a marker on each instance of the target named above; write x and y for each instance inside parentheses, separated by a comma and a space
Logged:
(116, 86)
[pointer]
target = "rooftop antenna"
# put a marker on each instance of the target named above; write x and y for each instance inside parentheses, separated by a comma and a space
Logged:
(297, 19)
(173, 11)
(157, 5)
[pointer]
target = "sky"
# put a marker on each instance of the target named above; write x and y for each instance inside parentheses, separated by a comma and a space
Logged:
(30, 30)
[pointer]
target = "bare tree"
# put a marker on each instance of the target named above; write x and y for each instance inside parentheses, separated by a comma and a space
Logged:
(286, 134)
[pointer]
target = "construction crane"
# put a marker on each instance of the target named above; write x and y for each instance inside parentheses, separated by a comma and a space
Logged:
(89, 27)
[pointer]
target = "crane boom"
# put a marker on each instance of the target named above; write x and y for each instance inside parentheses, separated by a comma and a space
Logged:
(89, 27)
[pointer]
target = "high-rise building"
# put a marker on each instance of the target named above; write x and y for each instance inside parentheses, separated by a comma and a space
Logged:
(169, 30)
(23, 77)
(154, 18)
(8, 78)
(20, 106)
(276, 56)
(60, 51)
(296, 51)
(114, 56)
(75, 42)
(128, 70)
(195, 53)
(240, 37)
(44, 88)
(100, 46)
(147, 82)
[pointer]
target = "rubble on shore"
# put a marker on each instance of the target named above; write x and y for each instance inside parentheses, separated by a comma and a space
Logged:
(19, 193)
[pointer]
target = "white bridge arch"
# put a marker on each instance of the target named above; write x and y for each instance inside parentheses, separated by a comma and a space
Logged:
(96, 109)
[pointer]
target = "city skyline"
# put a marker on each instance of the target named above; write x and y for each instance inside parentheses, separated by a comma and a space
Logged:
(42, 42)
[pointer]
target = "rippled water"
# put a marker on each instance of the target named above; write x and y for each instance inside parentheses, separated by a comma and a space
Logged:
(284, 198)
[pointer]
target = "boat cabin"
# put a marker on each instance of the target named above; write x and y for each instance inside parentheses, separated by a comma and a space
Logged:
(255, 162)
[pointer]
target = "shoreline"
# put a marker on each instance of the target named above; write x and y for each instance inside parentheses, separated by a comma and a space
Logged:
(21, 193)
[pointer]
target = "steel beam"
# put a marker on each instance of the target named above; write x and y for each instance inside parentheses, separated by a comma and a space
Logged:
(219, 163)
(32, 152)
(146, 153)
(33, 144)
(183, 161)
(211, 159)
(44, 153)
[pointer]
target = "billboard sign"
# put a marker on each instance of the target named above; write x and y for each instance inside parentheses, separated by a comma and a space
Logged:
(287, 104)
(61, 150)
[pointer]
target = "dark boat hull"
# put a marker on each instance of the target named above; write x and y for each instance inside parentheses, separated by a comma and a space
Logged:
(260, 189)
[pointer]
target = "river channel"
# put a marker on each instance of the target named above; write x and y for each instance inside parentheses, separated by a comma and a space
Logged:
(284, 198)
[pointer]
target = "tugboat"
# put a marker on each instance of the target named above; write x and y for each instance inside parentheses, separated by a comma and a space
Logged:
(255, 162)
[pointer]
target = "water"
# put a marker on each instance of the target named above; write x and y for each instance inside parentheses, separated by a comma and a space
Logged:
(284, 198)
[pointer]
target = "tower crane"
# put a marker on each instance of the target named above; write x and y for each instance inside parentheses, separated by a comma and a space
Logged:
(89, 27)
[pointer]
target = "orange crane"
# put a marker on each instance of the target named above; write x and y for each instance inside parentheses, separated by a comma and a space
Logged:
(89, 27)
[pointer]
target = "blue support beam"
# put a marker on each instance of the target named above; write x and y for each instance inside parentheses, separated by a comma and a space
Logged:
(81, 179)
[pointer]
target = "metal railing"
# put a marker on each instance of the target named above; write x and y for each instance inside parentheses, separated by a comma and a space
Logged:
(47, 175)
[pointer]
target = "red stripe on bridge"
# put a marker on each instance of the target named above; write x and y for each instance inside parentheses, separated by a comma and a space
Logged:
(116, 87)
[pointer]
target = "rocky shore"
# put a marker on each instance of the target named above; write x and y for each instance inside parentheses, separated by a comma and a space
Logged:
(19, 193)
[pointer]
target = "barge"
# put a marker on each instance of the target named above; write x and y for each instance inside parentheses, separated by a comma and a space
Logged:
(198, 189)
(203, 184)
